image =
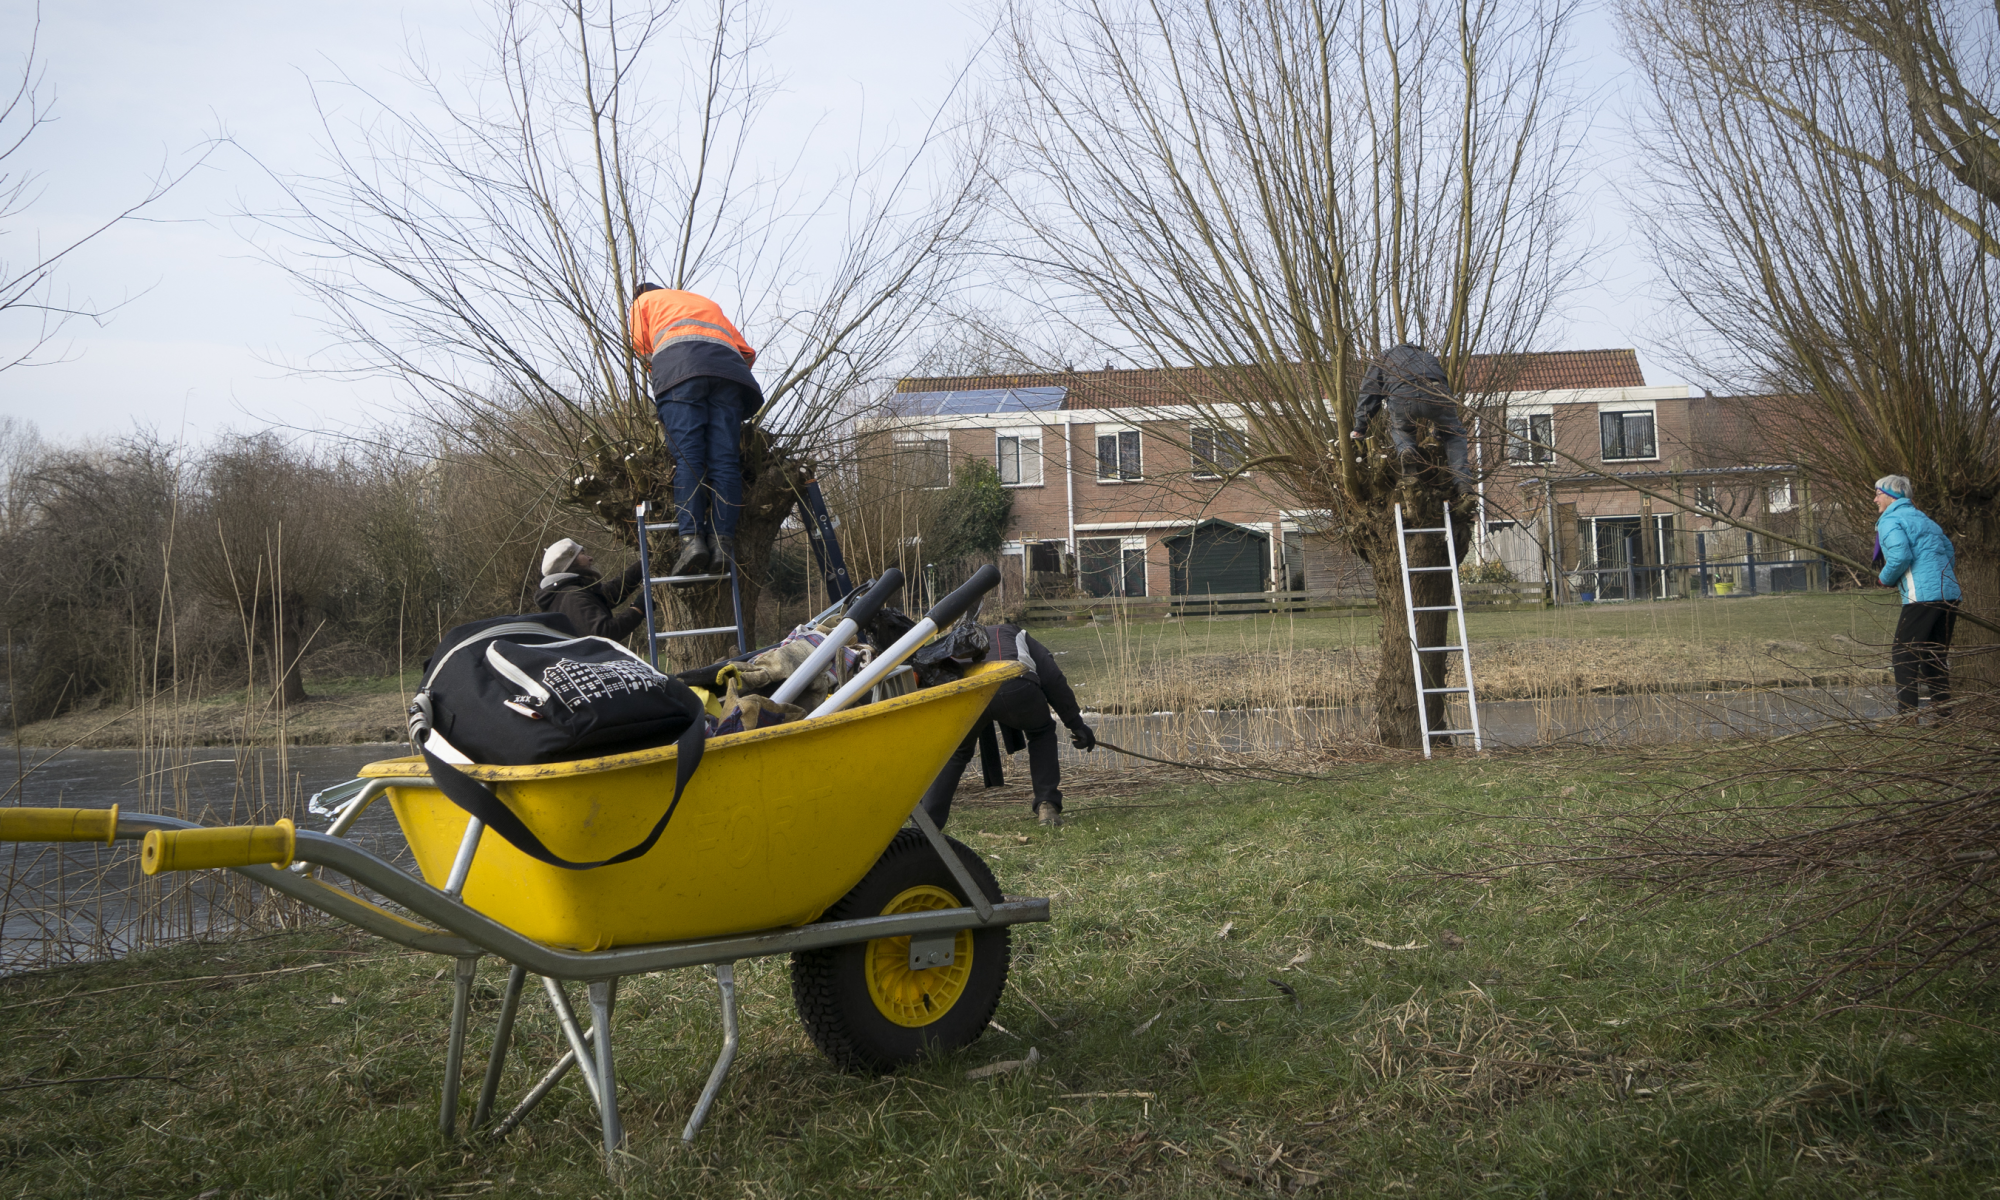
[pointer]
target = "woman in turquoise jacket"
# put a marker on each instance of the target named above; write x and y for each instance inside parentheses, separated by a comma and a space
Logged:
(1917, 561)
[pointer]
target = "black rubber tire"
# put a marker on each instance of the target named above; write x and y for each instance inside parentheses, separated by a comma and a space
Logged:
(831, 992)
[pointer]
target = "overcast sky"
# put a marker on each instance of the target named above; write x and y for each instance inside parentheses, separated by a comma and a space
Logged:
(141, 86)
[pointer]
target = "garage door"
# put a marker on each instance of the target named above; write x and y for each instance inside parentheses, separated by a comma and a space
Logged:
(1217, 559)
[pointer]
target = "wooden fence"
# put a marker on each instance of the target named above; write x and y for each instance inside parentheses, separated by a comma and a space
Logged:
(1253, 604)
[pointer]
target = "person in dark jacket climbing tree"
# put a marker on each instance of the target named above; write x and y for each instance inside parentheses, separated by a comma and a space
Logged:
(1411, 381)
(572, 587)
(1021, 705)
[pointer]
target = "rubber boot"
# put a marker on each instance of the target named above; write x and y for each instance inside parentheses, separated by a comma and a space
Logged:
(694, 556)
(723, 555)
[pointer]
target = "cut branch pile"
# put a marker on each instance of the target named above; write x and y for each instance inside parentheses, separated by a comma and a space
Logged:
(1878, 844)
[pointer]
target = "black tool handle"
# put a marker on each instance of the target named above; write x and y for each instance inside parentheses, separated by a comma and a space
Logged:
(864, 609)
(954, 606)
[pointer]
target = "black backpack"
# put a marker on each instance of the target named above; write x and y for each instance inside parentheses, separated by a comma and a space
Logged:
(527, 689)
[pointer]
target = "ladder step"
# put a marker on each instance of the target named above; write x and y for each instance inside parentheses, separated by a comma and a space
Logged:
(1436, 608)
(1439, 649)
(685, 578)
(1433, 529)
(672, 633)
(1448, 732)
(1435, 691)
(1414, 570)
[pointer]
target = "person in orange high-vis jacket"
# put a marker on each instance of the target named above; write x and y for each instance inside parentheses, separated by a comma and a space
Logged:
(704, 391)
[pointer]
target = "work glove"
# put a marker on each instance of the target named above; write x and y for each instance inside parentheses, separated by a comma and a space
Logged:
(1081, 736)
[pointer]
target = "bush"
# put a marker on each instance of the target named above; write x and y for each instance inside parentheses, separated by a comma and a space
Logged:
(1494, 572)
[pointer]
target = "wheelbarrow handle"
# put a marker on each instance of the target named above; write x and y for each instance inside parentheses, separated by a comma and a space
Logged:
(864, 610)
(228, 846)
(59, 824)
(947, 610)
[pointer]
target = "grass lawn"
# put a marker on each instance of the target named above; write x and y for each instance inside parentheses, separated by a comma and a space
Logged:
(1529, 1033)
(1526, 653)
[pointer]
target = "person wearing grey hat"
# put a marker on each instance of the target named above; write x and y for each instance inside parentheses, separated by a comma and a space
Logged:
(572, 586)
(1919, 562)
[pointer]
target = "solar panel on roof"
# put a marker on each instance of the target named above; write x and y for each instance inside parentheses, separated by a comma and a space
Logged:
(984, 402)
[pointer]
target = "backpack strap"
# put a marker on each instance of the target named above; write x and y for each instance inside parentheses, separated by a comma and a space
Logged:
(479, 800)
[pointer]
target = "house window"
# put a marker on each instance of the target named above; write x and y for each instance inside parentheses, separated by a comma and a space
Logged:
(1020, 459)
(1218, 450)
(923, 462)
(1118, 455)
(1531, 438)
(1779, 497)
(1704, 498)
(1627, 435)
(1111, 566)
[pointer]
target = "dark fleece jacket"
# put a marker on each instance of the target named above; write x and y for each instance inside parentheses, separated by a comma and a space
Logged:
(588, 601)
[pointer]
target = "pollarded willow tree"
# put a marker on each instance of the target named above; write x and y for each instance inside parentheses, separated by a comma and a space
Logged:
(1825, 204)
(482, 249)
(1272, 191)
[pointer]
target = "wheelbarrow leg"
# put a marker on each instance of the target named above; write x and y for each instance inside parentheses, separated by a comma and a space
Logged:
(510, 1004)
(566, 1017)
(603, 994)
(454, 1056)
(973, 892)
(541, 1089)
(725, 980)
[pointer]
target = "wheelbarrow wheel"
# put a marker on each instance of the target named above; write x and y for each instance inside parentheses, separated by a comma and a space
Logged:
(862, 1004)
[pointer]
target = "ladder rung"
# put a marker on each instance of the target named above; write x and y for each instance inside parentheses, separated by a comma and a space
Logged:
(1438, 733)
(1433, 529)
(670, 633)
(1435, 691)
(1436, 608)
(1414, 570)
(685, 578)
(1438, 649)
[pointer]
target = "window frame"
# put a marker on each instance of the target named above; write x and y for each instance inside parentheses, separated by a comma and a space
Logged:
(1020, 436)
(942, 438)
(1621, 414)
(1118, 433)
(1528, 444)
(1208, 467)
(1780, 497)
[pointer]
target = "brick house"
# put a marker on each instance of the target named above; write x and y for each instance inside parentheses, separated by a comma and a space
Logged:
(1566, 455)
(1118, 489)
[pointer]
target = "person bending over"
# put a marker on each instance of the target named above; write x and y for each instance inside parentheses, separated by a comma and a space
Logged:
(1918, 561)
(704, 391)
(1411, 381)
(1022, 705)
(572, 586)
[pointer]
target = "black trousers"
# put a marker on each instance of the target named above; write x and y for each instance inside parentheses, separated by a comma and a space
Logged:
(1404, 431)
(1020, 705)
(1921, 650)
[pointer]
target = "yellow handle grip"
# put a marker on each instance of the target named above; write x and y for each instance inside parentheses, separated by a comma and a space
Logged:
(233, 846)
(59, 824)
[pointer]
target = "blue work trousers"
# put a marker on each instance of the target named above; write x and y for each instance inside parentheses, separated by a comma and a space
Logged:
(703, 419)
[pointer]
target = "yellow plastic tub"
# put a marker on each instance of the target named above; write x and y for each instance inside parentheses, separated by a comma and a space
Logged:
(776, 825)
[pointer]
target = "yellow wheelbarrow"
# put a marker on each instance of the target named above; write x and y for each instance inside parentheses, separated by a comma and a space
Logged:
(787, 840)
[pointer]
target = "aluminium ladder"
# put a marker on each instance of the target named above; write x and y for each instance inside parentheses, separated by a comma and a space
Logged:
(653, 632)
(1457, 606)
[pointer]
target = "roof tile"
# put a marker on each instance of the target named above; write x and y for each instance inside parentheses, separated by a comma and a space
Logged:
(1550, 370)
